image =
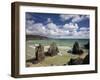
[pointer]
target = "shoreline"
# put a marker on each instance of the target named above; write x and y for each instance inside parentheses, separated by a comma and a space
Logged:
(62, 58)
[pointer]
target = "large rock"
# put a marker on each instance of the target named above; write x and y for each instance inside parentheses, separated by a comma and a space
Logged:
(87, 45)
(53, 50)
(76, 49)
(77, 61)
(86, 60)
(39, 51)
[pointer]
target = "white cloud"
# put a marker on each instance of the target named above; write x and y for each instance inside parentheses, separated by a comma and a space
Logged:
(35, 28)
(28, 32)
(52, 26)
(78, 18)
(71, 26)
(82, 33)
(30, 22)
(52, 30)
(84, 29)
(74, 17)
(65, 17)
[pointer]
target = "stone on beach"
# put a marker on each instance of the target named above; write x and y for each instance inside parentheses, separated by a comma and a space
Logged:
(87, 45)
(76, 49)
(53, 50)
(39, 51)
(79, 60)
(75, 61)
(86, 60)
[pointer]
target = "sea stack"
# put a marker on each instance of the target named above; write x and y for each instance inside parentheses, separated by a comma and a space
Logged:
(39, 52)
(87, 45)
(53, 50)
(76, 49)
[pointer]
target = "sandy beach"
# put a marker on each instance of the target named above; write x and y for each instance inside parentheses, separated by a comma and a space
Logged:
(60, 59)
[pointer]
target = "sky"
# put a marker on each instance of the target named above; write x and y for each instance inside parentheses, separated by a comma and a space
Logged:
(51, 25)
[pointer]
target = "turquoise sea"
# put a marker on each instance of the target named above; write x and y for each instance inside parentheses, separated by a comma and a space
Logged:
(61, 42)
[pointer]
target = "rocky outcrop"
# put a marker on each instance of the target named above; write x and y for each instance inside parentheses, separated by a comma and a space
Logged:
(76, 49)
(79, 61)
(53, 50)
(86, 60)
(39, 52)
(75, 61)
(87, 45)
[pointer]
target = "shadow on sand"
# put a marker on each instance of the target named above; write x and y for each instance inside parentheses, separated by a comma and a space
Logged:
(33, 61)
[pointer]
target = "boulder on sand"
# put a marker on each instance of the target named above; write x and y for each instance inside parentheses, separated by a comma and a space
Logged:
(79, 61)
(75, 61)
(39, 52)
(86, 60)
(53, 50)
(87, 45)
(76, 49)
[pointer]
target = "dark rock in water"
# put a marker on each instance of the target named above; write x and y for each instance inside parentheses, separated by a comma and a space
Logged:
(87, 45)
(86, 60)
(39, 51)
(75, 61)
(53, 50)
(76, 49)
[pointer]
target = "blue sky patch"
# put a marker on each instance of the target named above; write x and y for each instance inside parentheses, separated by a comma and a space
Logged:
(58, 25)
